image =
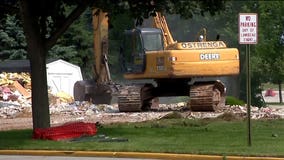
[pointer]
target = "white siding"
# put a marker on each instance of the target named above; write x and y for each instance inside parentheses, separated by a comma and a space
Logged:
(61, 76)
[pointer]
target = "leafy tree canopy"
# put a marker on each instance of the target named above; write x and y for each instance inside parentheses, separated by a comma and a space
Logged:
(138, 9)
(45, 21)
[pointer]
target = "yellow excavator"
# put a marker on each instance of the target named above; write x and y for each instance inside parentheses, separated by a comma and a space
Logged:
(152, 53)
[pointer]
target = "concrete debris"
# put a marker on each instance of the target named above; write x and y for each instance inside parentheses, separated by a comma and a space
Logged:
(12, 109)
(15, 102)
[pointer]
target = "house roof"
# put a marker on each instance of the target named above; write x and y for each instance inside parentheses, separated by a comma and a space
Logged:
(15, 66)
(18, 65)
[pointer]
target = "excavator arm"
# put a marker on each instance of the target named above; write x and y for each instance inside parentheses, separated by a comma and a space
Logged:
(100, 28)
(99, 90)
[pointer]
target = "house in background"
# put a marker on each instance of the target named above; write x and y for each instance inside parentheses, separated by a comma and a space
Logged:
(61, 75)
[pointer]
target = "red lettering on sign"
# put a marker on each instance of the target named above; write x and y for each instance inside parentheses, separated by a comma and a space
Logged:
(248, 24)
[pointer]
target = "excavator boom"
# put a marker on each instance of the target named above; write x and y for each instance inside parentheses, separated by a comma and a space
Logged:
(159, 21)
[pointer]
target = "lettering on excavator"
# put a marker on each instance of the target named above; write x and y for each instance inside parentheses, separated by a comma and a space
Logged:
(201, 45)
(209, 56)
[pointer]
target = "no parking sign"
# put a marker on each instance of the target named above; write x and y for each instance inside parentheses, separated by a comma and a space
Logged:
(248, 28)
(248, 35)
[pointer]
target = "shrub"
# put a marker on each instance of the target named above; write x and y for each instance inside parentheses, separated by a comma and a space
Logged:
(230, 100)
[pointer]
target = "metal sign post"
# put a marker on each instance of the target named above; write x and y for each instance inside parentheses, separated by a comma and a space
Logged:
(248, 35)
(248, 80)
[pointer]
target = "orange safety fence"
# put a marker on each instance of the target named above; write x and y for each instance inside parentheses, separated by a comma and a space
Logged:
(65, 131)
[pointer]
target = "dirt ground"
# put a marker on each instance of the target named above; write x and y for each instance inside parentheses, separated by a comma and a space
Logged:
(23, 120)
(60, 114)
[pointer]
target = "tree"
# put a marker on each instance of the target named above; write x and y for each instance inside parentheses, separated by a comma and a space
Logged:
(35, 15)
(266, 59)
(270, 49)
(230, 19)
(74, 46)
(44, 22)
(12, 39)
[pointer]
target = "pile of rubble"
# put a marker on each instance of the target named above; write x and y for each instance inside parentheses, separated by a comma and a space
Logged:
(15, 102)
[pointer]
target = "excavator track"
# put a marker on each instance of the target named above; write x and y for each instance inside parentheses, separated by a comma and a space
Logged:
(129, 99)
(135, 98)
(207, 97)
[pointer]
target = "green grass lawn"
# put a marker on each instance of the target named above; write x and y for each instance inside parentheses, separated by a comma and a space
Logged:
(215, 137)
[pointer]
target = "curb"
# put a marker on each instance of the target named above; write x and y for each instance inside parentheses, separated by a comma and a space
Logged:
(131, 155)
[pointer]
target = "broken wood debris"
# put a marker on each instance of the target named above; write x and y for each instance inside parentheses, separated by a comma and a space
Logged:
(15, 101)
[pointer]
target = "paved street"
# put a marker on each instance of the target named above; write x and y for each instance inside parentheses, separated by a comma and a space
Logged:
(20, 157)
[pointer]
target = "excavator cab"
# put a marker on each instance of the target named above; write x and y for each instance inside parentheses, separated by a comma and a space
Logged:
(135, 45)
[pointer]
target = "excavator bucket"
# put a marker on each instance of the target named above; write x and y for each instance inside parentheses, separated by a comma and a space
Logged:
(90, 91)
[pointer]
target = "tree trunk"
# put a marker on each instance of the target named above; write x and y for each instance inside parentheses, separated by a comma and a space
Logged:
(37, 55)
(38, 46)
(280, 92)
(40, 106)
